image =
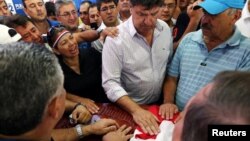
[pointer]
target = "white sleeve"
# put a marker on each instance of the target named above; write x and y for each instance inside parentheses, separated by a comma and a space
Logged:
(111, 69)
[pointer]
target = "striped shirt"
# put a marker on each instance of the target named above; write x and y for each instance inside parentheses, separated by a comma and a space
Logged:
(195, 67)
(131, 67)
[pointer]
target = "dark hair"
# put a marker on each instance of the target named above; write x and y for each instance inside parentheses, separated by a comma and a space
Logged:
(30, 76)
(50, 8)
(100, 2)
(24, 4)
(16, 20)
(93, 5)
(147, 3)
(83, 2)
(227, 103)
(86, 1)
(53, 34)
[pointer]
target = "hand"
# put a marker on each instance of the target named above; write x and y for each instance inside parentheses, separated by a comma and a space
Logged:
(90, 105)
(119, 135)
(103, 126)
(180, 116)
(110, 31)
(81, 114)
(147, 121)
(167, 110)
(194, 15)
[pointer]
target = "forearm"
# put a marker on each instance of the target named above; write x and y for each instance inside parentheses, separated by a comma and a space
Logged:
(73, 98)
(69, 105)
(70, 134)
(66, 134)
(87, 36)
(169, 89)
(128, 104)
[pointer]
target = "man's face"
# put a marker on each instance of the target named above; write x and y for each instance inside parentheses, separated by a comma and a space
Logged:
(183, 4)
(109, 12)
(4, 10)
(124, 5)
(144, 19)
(29, 33)
(67, 15)
(35, 9)
(94, 16)
(84, 13)
(216, 26)
(167, 10)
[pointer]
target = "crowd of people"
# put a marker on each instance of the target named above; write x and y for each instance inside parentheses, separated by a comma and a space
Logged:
(186, 56)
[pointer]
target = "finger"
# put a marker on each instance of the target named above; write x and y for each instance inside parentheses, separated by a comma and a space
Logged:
(176, 110)
(154, 126)
(162, 112)
(93, 106)
(149, 130)
(127, 130)
(74, 116)
(94, 109)
(122, 128)
(143, 126)
(111, 128)
(111, 122)
(149, 126)
(178, 118)
(167, 113)
(171, 113)
(129, 136)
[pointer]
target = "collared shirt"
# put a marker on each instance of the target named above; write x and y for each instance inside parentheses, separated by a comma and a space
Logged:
(132, 67)
(244, 22)
(195, 67)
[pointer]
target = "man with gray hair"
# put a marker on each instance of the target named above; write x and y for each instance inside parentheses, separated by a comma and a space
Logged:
(32, 97)
(66, 13)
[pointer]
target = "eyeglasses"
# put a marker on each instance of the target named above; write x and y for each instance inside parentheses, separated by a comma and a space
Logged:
(111, 8)
(170, 5)
(83, 13)
(67, 14)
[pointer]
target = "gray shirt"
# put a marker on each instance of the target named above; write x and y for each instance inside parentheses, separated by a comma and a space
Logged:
(131, 67)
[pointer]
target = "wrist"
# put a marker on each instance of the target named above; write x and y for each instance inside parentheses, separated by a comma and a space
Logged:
(87, 129)
(79, 131)
(168, 102)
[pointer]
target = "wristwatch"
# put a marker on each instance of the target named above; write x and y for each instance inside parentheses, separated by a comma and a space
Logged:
(79, 131)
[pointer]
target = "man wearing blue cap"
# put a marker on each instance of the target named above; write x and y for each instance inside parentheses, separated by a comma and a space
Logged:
(216, 47)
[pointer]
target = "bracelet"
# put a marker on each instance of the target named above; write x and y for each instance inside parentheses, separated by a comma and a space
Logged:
(79, 131)
(78, 104)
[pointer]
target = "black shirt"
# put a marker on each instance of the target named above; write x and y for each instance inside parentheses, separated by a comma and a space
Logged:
(89, 83)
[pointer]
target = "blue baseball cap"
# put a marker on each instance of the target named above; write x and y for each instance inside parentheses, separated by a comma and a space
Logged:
(214, 7)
